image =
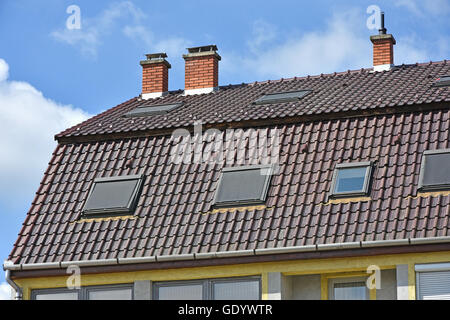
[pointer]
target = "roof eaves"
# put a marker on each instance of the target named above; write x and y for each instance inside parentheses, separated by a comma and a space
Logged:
(9, 265)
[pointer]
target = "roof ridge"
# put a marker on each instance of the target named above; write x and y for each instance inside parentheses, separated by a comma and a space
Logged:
(324, 80)
(332, 74)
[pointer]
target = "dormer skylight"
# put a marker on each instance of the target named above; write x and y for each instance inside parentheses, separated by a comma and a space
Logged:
(243, 185)
(443, 81)
(280, 97)
(113, 195)
(147, 110)
(435, 170)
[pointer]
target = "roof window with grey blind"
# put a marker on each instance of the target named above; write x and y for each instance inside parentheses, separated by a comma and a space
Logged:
(113, 195)
(435, 170)
(243, 185)
(148, 110)
(443, 81)
(281, 97)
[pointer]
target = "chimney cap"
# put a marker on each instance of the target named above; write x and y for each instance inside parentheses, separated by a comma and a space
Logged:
(211, 47)
(202, 51)
(156, 58)
(382, 37)
(160, 55)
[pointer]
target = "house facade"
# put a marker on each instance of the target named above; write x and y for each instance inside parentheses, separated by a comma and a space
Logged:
(334, 186)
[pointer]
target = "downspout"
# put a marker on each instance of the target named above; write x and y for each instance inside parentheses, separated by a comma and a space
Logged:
(14, 285)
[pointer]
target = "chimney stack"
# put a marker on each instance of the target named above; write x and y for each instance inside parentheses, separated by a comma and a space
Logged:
(201, 70)
(155, 75)
(383, 49)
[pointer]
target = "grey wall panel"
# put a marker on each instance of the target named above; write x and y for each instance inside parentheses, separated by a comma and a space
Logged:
(402, 282)
(143, 290)
(306, 287)
(388, 289)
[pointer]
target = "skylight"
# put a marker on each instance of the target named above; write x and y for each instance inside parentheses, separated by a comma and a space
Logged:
(113, 195)
(442, 81)
(435, 170)
(147, 110)
(243, 185)
(351, 179)
(282, 97)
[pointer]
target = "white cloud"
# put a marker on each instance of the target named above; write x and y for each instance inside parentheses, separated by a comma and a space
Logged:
(29, 122)
(262, 33)
(443, 46)
(342, 45)
(4, 70)
(423, 8)
(123, 16)
(89, 37)
(5, 291)
(410, 5)
(413, 48)
(437, 7)
(139, 33)
(406, 50)
(173, 46)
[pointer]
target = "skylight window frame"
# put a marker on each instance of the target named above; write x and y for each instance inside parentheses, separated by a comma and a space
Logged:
(442, 83)
(265, 100)
(435, 187)
(260, 200)
(114, 211)
(146, 110)
(351, 165)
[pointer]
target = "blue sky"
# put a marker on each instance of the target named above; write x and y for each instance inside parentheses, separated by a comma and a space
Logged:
(52, 77)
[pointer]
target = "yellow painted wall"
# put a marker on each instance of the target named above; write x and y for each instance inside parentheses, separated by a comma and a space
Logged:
(326, 267)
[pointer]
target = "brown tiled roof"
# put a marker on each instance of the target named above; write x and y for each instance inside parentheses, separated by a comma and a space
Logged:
(174, 213)
(348, 91)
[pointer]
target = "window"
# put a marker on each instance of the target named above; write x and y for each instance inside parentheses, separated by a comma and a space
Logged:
(147, 110)
(118, 293)
(248, 288)
(55, 294)
(435, 170)
(348, 289)
(442, 81)
(351, 179)
(110, 292)
(243, 185)
(115, 195)
(433, 281)
(282, 97)
(235, 290)
(184, 290)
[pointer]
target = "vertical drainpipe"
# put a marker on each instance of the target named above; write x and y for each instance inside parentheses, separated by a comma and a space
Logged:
(16, 288)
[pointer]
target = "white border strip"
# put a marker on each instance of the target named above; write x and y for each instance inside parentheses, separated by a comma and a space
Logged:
(199, 91)
(432, 267)
(382, 67)
(152, 95)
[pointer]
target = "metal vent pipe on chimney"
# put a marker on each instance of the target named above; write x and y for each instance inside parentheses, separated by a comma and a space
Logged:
(383, 49)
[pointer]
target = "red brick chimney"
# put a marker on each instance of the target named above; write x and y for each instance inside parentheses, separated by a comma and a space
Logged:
(383, 49)
(155, 75)
(201, 69)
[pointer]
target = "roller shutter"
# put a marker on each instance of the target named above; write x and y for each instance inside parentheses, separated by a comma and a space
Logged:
(433, 284)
